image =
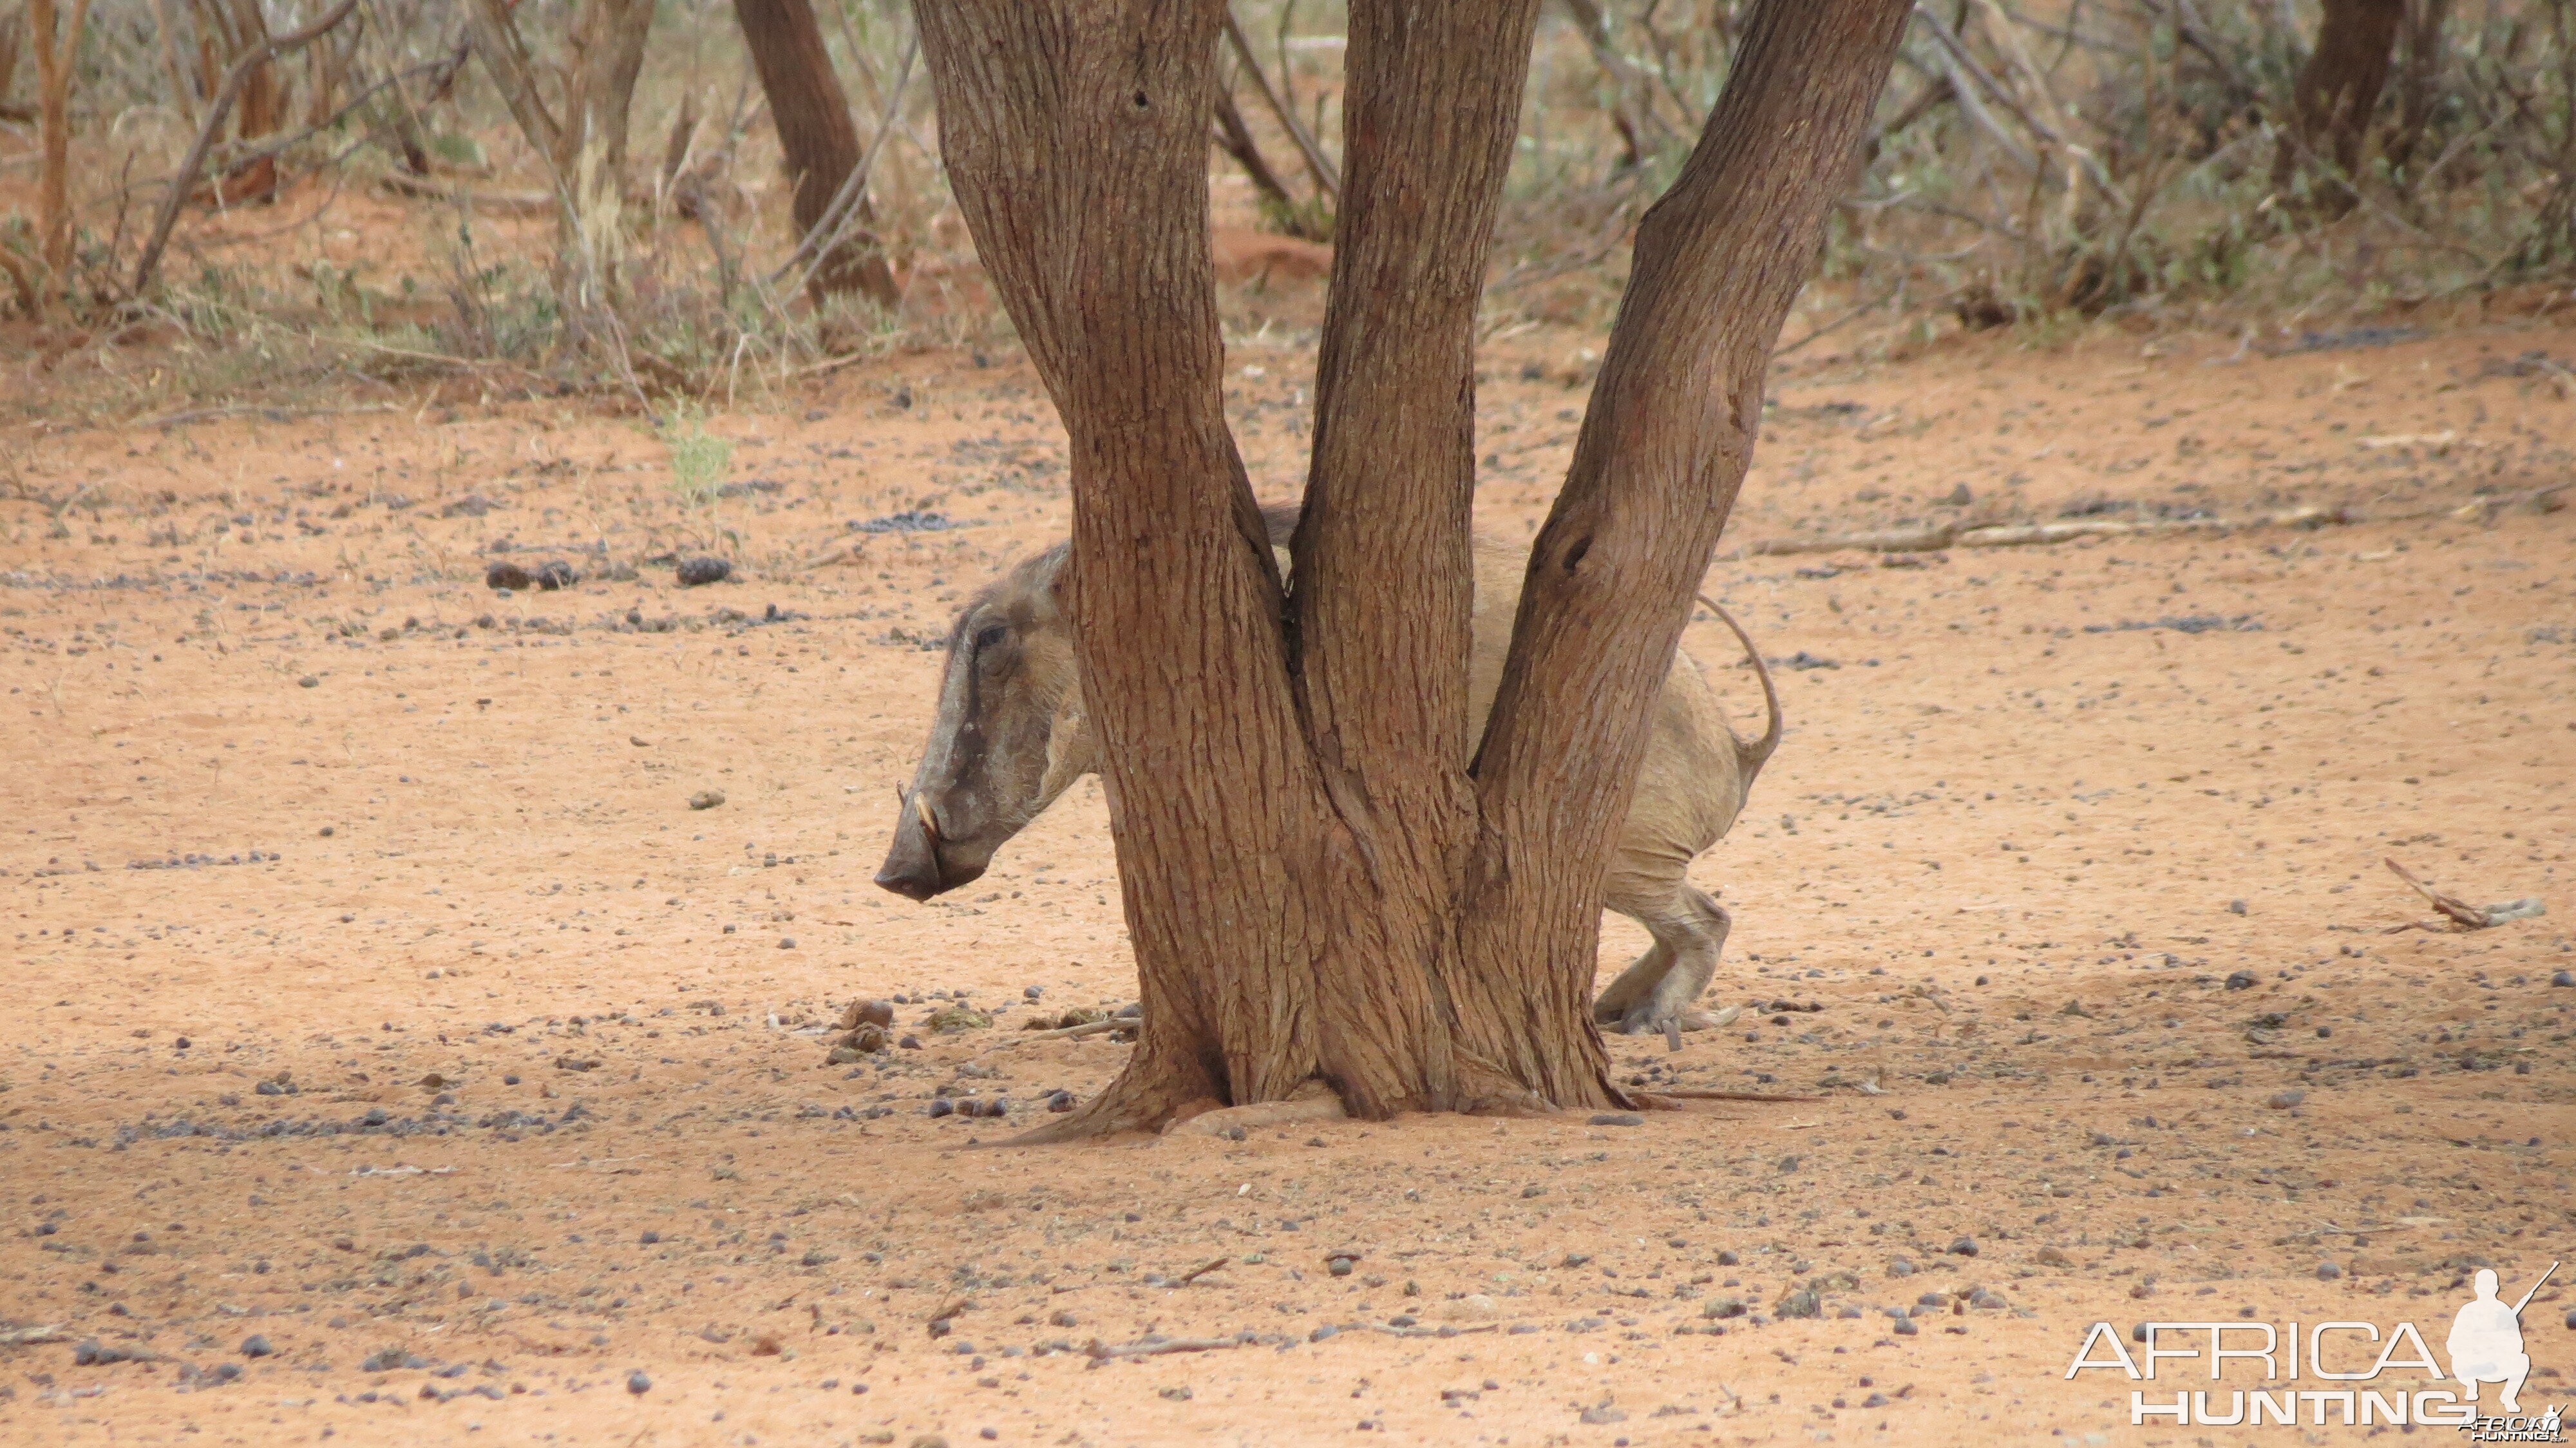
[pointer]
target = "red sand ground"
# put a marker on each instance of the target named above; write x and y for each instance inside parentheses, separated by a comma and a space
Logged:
(446, 879)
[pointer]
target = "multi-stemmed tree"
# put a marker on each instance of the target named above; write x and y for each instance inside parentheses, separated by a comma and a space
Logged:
(1332, 874)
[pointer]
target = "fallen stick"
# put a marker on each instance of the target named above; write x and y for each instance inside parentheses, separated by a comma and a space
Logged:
(1900, 540)
(1157, 1346)
(1713, 1093)
(2470, 917)
(29, 1336)
(1065, 1033)
(1445, 1329)
(2023, 535)
(1201, 1270)
(499, 203)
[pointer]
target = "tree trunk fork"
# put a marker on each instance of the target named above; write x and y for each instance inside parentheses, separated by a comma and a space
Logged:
(1328, 875)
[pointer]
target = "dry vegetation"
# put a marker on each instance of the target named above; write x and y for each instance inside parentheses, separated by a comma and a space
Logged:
(405, 194)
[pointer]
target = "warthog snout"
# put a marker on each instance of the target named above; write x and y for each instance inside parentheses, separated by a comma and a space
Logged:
(914, 864)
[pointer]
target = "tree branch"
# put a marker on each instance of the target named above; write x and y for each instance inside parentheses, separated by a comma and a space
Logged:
(275, 47)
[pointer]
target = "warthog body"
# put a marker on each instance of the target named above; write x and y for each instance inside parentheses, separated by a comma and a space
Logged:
(1011, 735)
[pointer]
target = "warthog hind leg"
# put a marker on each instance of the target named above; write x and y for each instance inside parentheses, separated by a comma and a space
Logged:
(1657, 993)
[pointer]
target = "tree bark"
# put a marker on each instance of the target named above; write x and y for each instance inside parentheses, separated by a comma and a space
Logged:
(585, 146)
(57, 56)
(1381, 561)
(817, 139)
(13, 30)
(1326, 876)
(2338, 88)
(1662, 450)
(2419, 85)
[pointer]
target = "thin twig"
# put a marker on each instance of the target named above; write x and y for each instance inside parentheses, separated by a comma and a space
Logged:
(1712, 1093)
(272, 49)
(1066, 1033)
(1157, 1346)
(835, 218)
(1324, 173)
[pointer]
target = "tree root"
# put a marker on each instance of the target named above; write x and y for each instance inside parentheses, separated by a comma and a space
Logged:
(1313, 1102)
(1148, 1093)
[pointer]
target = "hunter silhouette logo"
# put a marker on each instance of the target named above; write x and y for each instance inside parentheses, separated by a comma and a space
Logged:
(2403, 1386)
(2486, 1347)
(2486, 1341)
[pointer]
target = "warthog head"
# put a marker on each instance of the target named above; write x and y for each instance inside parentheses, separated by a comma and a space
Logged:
(1008, 737)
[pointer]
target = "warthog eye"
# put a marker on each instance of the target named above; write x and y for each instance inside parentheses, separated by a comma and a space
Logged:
(990, 635)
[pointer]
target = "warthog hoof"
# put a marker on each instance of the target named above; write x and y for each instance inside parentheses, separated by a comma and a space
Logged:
(1643, 1021)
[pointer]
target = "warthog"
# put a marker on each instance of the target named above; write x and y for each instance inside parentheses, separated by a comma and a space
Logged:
(1011, 735)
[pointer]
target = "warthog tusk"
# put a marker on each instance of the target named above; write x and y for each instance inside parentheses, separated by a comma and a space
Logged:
(921, 807)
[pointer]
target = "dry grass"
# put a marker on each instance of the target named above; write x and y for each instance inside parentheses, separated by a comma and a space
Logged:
(2035, 168)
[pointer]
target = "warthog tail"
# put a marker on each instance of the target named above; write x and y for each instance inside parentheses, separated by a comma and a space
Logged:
(1757, 753)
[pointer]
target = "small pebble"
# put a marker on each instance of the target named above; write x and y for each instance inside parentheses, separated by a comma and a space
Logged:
(2328, 1271)
(256, 1346)
(1617, 1118)
(1964, 1247)
(696, 572)
(2564, 978)
(506, 575)
(638, 1384)
(2241, 980)
(2284, 1100)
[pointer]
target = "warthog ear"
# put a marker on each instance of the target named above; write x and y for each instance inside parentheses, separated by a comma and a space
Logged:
(1070, 750)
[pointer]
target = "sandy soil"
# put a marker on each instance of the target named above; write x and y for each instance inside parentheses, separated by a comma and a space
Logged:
(381, 1001)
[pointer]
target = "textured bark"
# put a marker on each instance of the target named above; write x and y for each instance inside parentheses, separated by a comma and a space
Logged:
(583, 136)
(2419, 83)
(1663, 448)
(1326, 877)
(816, 137)
(2338, 88)
(1381, 559)
(13, 30)
(57, 45)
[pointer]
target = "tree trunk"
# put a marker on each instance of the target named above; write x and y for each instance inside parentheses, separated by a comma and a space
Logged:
(57, 56)
(2338, 88)
(2419, 85)
(817, 139)
(585, 146)
(1326, 877)
(229, 30)
(1663, 447)
(13, 30)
